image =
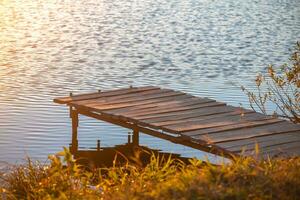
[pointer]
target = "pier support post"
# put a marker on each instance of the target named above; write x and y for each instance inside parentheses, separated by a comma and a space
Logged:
(74, 116)
(98, 145)
(135, 136)
(129, 138)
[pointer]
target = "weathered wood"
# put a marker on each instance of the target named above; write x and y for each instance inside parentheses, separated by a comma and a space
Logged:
(107, 106)
(164, 128)
(177, 102)
(250, 132)
(152, 103)
(74, 117)
(216, 122)
(263, 141)
(231, 127)
(200, 123)
(162, 106)
(98, 145)
(128, 117)
(196, 144)
(288, 149)
(194, 117)
(149, 103)
(65, 100)
(182, 108)
(127, 98)
(177, 115)
(135, 136)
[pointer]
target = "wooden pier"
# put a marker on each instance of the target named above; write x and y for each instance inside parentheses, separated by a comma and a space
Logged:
(200, 123)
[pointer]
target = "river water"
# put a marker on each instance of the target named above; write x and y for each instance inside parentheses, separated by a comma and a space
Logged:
(204, 47)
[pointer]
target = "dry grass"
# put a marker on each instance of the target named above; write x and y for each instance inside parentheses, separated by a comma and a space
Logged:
(244, 178)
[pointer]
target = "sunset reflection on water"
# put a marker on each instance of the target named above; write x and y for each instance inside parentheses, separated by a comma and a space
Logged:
(51, 48)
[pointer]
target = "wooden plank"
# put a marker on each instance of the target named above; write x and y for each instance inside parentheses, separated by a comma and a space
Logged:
(264, 141)
(125, 118)
(195, 117)
(108, 106)
(288, 149)
(161, 105)
(143, 123)
(277, 153)
(291, 151)
(271, 129)
(164, 102)
(124, 98)
(151, 125)
(216, 122)
(183, 108)
(133, 120)
(211, 131)
(284, 136)
(280, 136)
(148, 102)
(65, 100)
(178, 115)
(295, 144)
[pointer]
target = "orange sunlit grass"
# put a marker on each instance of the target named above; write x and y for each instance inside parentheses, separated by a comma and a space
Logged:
(244, 178)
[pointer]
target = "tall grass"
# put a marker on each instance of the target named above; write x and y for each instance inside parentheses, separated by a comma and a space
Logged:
(162, 178)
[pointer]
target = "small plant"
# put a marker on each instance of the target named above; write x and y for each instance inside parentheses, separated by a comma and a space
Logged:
(279, 87)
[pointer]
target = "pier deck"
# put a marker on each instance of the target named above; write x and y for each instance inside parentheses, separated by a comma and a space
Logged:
(200, 123)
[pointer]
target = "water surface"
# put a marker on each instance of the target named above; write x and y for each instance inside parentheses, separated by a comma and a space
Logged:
(204, 47)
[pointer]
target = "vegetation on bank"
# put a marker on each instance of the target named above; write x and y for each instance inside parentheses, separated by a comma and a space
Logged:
(162, 178)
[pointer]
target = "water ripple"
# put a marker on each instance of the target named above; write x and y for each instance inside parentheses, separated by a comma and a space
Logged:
(48, 49)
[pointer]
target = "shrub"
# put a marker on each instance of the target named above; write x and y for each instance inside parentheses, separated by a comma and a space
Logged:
(280, 87)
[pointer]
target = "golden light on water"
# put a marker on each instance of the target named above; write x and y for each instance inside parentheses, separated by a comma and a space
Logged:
(20, 30)
(30, 34)
(16, 24)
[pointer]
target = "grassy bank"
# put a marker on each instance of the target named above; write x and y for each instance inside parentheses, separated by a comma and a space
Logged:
(162, 178)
